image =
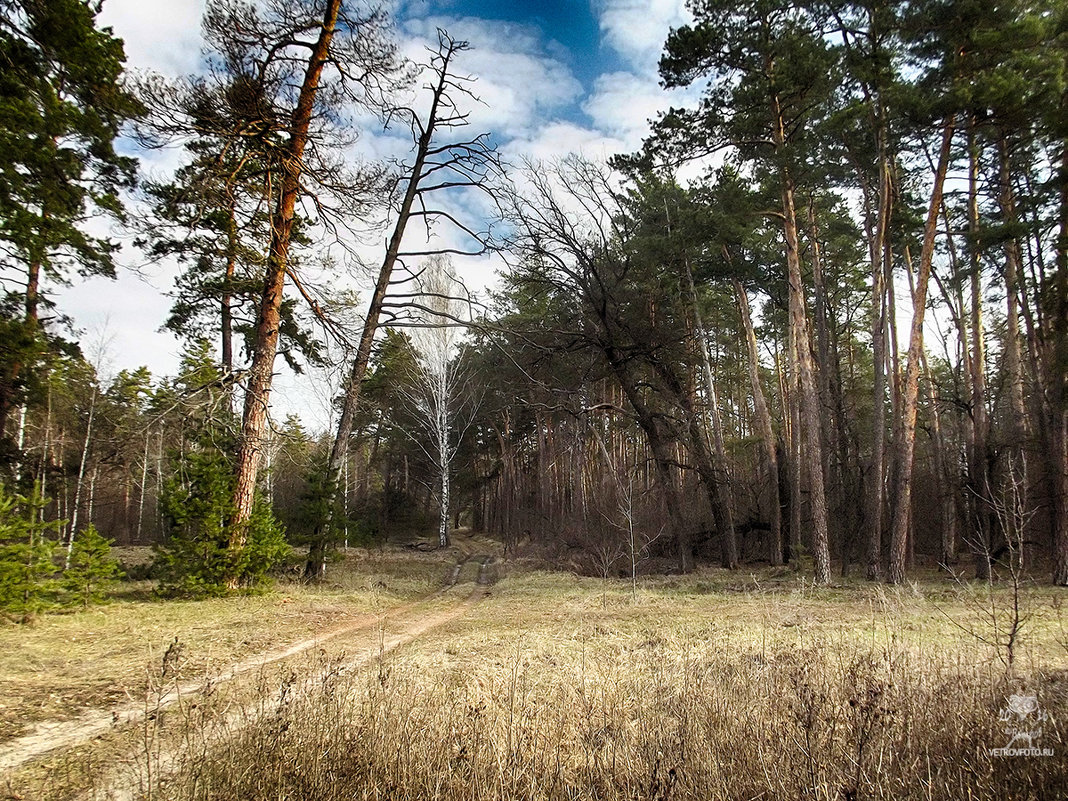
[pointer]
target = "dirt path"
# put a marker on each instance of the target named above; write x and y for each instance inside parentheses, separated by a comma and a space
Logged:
(128, 784)
(413, 619)
(48, 736)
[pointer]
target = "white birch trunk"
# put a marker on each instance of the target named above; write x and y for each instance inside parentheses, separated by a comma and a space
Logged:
(21, 443)
(437, 377)
(81, 477)
(141, 498)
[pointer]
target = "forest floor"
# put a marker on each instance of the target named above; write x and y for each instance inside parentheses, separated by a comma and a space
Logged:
(418, 675)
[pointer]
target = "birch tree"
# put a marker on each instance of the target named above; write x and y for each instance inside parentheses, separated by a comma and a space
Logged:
(438, 376)
(437, 167)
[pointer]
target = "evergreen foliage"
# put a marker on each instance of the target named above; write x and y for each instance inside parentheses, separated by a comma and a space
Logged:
(62, 105)
(193, 561)
(91, 570)
(735, 327)
(27, 569)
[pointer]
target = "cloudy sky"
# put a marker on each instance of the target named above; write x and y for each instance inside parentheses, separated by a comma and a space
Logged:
(555, 76)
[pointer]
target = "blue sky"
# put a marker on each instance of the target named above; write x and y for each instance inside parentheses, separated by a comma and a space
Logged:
(555, 76)
(570, 23)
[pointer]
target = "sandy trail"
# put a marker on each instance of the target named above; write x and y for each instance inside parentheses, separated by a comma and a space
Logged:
(412, 618)
(48, 736)
(128, 784)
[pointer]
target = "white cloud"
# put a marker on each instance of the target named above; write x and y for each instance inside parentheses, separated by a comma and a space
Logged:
(558, 139)
(160, 35)
(518, 80)
(130, 310)
(528, 93)
(636, 29)
(622, 104)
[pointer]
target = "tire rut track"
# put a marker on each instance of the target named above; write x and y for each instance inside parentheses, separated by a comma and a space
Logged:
(47, 737)
(126, 784)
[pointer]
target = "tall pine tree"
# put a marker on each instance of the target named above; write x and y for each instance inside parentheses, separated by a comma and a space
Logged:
(61, 107)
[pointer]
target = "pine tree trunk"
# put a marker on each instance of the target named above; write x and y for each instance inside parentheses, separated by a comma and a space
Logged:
(268, 323)
(946, 481)
(1057, 313)
(910, 391)
(1059, 469)
(810, 411)
(721, 490)
(834, 424)
(710, 478)
(792, 405)
(978, 473)
(1018, 421)
(763, 425)
(880, 261)
(962, 502)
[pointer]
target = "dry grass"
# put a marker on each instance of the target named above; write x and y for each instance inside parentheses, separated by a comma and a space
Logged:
(63, 663)
(714, 686)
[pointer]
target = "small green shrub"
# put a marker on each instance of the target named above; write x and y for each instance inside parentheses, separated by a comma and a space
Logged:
(92, 569)
(27, 569)
(194, 560)
(26, 577)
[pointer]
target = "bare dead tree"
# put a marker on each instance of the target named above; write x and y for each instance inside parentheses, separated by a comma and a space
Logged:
(627, 491)
(999, 617)
(438, 169)
(576, 242)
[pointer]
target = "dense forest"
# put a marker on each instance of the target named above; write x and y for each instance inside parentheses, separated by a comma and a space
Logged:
(820, 319)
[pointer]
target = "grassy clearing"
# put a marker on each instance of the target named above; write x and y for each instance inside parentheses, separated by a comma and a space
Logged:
(63, 663)
(565, 688)
(712, 686)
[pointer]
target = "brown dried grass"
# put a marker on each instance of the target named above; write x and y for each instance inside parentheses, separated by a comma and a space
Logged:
(696, 689)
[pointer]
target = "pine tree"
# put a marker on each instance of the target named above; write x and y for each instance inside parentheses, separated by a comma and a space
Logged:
(92, 569)
(26, 565)
(61, 107)
(194, 560)
(351, 55)
(770, 71)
